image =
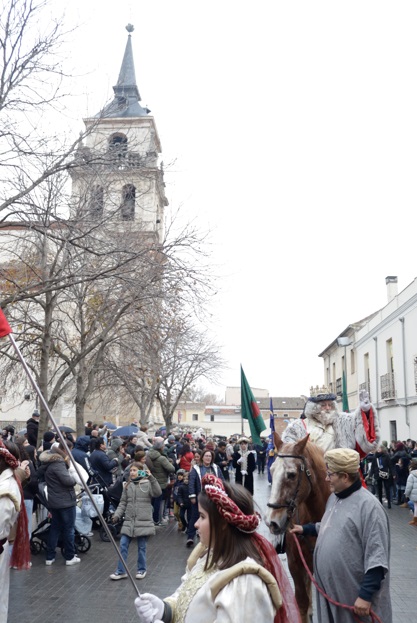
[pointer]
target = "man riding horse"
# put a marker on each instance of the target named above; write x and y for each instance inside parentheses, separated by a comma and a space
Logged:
(331, 429)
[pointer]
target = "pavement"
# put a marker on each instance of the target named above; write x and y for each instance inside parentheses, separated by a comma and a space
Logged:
(84, 593)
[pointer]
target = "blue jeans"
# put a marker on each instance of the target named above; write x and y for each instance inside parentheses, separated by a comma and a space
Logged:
(192, 518)
(156, 503)
(124, 548)
(29, 512)
(63, 521)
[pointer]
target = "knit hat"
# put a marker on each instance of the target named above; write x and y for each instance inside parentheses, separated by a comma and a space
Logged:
(342, 460)
(48, 435)
(323, 398)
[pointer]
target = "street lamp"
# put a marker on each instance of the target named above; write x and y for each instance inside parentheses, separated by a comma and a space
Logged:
(344, 341)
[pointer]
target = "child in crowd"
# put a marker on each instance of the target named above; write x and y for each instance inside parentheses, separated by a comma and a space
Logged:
(183, 501)
(135, 504)
(168, 498)
(178, 481)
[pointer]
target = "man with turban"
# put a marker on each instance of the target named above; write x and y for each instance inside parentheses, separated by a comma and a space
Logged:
(330, 429)
(351, 556)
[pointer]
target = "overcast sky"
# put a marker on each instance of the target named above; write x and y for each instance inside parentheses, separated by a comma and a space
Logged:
(293, 126)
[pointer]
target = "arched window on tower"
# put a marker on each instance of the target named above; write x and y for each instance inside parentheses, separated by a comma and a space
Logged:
(128, 202)
(118, 144)
(97, 202)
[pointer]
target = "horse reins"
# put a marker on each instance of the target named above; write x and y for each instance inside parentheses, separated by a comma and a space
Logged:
(374, 617)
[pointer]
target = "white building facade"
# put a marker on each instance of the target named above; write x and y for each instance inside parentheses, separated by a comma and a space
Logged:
(379, 354)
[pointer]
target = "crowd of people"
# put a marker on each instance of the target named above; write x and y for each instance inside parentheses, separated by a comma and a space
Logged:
(391, 473)
(206, 485)
(162, 478)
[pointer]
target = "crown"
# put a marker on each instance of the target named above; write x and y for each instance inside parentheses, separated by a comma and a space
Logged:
(318, 391)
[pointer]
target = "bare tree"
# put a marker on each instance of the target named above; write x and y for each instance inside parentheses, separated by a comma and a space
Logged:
(31, 81)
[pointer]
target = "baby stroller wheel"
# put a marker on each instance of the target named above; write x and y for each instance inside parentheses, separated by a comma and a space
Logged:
(103, 534)
(82, 543)
(35, 547)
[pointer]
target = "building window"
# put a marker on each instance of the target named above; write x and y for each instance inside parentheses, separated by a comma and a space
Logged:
(118, 144)
(339, 386)
(195, 417)
(97, 202)
(128, 202)
(211, 418)
(352, 362)
(393, 430)
(390, 357)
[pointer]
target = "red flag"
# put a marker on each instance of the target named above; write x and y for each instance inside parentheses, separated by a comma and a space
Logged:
(4, 325)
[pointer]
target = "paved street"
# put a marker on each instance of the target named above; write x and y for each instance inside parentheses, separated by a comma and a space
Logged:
(84, 593)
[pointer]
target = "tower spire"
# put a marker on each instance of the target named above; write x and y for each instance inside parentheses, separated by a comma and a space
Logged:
(126, 93)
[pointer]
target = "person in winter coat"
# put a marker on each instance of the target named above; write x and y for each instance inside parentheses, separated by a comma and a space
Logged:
(102, 464)
(117, 451)
(60, 478)
(221, 459)
(244, 461)
(207, 466)
(411, 489)
(183, 502)
(185, 457)
(136, 507)
(32, 428)
(381, 470)
(80, 450)
(160, 466)
(28, 453)
(400, 462)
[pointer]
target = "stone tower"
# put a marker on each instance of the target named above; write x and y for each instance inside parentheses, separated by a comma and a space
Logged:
(117, 176)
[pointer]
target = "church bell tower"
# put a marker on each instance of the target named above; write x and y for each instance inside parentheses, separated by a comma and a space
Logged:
(117, 175)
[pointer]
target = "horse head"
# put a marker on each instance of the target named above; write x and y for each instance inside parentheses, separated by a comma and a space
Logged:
(292, 483)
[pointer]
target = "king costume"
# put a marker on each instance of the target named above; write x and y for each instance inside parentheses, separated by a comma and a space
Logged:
(358, 430)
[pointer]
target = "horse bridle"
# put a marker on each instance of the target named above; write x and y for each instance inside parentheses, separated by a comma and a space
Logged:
(292, 504)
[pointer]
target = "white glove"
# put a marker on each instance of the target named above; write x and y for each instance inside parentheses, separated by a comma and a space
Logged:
(243, 472)
(149, 608)
(239, 461)
(364, 401)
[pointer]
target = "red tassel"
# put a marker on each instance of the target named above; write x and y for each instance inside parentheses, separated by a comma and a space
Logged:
(21, 547)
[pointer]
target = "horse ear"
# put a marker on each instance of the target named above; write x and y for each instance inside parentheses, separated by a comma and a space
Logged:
(277, 441)
(300, 445)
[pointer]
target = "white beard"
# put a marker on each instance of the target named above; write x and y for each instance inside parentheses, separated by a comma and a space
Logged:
(326, 417)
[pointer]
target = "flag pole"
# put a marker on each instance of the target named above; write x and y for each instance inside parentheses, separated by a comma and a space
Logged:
(74, 463)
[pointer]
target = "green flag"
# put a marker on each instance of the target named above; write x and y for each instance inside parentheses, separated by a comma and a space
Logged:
(345, 405)
(250, 409)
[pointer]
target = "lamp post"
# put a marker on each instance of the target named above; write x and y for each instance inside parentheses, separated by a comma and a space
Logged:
(345, 342)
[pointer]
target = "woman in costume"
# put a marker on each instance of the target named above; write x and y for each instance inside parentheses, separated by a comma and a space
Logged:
(244, 462)
(13, 519)
(233, 575)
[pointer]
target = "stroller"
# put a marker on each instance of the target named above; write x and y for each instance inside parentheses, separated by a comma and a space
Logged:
(39, 536)
(111, 495)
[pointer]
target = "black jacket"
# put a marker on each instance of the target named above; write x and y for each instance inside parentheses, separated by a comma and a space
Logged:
(104, 466)
(32, 427)
(54, 470)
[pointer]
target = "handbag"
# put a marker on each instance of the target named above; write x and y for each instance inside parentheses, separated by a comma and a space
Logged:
(381, 472)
